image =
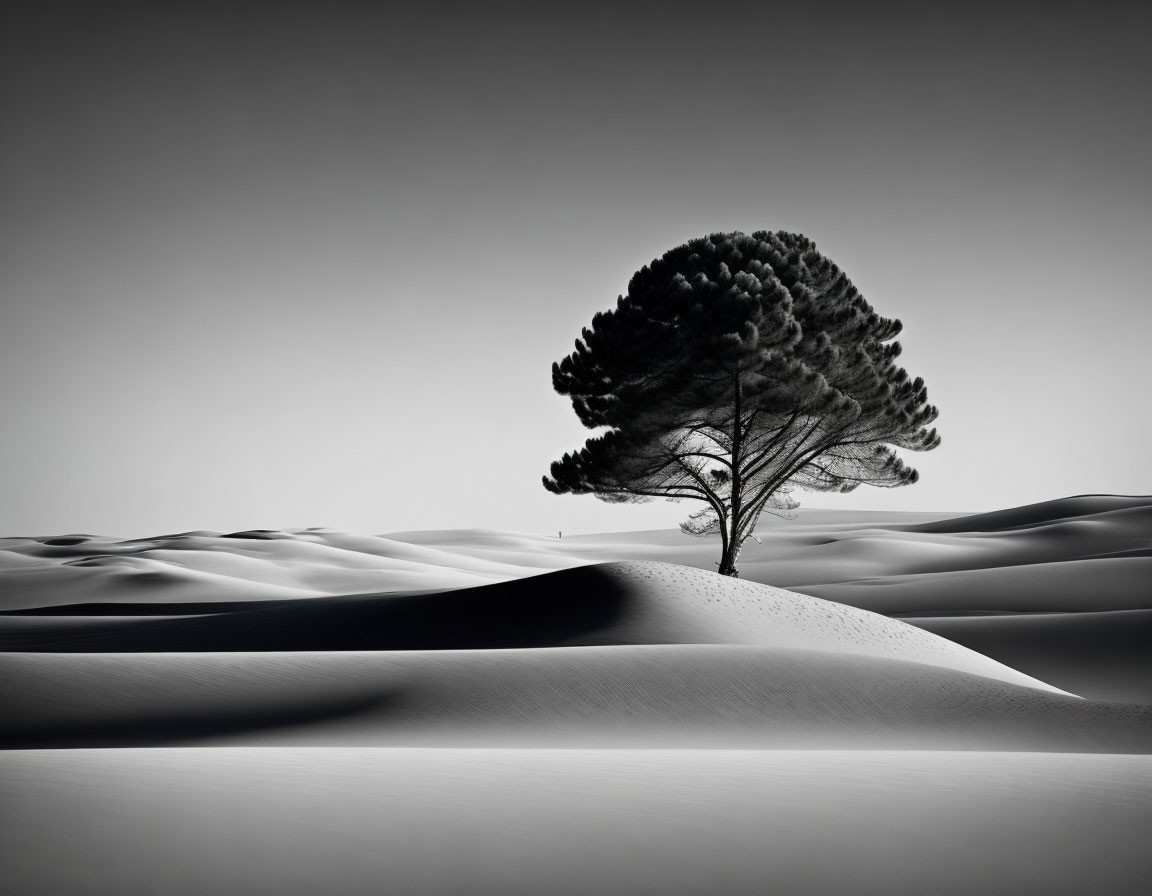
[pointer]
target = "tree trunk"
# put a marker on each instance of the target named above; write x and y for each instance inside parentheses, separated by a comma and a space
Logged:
(732, 545)
(728, 560)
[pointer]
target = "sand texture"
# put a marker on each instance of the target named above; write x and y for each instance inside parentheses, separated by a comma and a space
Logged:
(510, 822)
(298, 711)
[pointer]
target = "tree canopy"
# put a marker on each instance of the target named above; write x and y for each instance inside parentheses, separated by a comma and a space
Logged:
(736, 369)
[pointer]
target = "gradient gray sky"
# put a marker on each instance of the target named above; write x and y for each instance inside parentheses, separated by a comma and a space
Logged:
(310, 264)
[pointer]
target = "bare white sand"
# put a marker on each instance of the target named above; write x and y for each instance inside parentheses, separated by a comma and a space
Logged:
(711, 696)
(287, 821)
(491, 712)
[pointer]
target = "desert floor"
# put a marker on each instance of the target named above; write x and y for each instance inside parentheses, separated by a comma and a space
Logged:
(882, 703)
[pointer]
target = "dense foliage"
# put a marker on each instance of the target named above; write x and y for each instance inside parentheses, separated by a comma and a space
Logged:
(736, 369)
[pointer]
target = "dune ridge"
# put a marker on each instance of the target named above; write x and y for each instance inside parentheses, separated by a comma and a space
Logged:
(1041, 513)
(616, 603)
(634, 654)
(819, 553)
(245, 597)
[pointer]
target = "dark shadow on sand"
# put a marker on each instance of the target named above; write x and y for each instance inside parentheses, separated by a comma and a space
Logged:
(540, 611)
(181, 727)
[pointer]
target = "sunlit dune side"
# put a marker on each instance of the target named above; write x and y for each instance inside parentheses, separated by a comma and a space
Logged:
(701, 696)
(567, 822)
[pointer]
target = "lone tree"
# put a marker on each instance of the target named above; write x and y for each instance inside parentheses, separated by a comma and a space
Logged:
(737, 369)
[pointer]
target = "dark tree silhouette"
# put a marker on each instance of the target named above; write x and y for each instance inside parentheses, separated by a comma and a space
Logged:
(737, 369)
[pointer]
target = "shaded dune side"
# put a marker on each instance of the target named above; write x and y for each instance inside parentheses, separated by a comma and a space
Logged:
(521, 613)
(1081, 585)
(128, 609)
(707, 696)
(607, 604)
(1100, 656)
(866, 555)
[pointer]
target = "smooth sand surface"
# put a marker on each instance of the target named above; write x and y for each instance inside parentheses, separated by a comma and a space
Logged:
(301, 711)
(685, 695)
(305, 821)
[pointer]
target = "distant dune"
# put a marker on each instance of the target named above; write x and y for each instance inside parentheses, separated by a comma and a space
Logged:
(821, 549)
(1031, 515)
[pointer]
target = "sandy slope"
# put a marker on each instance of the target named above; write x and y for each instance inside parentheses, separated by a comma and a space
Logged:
(398, 713)
(636, 654)
(509, 822)
(714, 696)
(1082, 555)
(606, 604)
(622, 653)
(1101, 656)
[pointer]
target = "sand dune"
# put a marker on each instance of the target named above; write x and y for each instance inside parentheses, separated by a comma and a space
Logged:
(714, 696)
(125, 578)
(433, 712)
(1044, 512)
(624, 654)
(1088, 585)
(1101, 656)
(617, 603)
(1081, 555)
(210, 566)
(836, 554)
(567, 822)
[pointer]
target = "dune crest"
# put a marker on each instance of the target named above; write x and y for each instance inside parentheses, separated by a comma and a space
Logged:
(692, 606)
(628, 602)
(1038, 514)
